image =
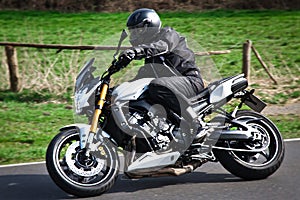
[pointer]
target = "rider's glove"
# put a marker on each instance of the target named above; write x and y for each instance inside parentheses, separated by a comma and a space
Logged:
(128, 55)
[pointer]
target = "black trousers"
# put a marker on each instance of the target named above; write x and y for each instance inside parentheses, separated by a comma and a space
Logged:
(173, 92)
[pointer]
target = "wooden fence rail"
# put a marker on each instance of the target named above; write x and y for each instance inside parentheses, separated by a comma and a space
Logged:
(60, 46)
(90, 47)
(12, 61)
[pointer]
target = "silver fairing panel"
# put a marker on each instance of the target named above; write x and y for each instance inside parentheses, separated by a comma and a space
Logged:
(222, 91)
(131, 90)
(153, 160)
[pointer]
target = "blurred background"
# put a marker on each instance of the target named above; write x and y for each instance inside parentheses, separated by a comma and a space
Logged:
(161, 5)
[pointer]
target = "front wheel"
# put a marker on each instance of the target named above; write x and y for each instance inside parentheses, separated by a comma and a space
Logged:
(254, 165)
(76, 173)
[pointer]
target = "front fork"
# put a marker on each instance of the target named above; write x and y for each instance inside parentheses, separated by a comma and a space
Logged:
(95, 119)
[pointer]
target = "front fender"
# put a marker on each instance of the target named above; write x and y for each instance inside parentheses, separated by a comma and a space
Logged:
(83, 130)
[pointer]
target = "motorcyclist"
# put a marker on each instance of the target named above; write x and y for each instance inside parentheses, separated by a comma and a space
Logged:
(162, 48)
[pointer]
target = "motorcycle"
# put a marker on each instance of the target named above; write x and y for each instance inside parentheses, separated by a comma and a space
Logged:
(123, 131)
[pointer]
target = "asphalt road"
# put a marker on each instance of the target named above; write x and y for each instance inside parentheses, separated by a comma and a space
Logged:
(210, 181)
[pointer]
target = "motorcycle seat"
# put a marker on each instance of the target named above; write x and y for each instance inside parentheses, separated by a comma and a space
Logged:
(204, 94)
(201, 100)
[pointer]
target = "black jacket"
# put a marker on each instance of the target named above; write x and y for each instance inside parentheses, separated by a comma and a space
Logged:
(170, 48)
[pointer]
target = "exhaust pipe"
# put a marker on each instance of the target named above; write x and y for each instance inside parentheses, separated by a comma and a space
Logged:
(175, 171)
(168, 171)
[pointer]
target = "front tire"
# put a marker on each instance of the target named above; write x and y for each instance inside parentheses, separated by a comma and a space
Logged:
(254, 166)
(76, 173)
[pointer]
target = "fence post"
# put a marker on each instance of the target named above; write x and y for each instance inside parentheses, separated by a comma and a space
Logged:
(247, 59)
(12, 63)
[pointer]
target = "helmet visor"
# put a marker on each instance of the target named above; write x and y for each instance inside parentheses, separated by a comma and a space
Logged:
(138, 35)
(136, 32)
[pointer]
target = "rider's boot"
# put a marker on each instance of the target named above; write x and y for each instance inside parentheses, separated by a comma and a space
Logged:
(201, 131)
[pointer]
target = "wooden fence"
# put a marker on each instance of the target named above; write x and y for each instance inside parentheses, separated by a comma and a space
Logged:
(12, 62)
(247, 47)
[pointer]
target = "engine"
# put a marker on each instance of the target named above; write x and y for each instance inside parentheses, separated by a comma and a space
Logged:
(156, 127)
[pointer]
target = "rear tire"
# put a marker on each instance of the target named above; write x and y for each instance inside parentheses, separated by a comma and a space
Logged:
(76, 174)
(253, 166)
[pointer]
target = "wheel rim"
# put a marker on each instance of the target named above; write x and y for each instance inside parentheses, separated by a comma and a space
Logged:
(269, 140)
(72, 166)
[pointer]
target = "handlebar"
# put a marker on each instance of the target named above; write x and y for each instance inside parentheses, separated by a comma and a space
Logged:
(112, 69)
(117, 65)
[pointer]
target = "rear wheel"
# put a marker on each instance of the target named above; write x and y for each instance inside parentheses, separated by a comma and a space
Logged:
(254, 165)
(76, 173)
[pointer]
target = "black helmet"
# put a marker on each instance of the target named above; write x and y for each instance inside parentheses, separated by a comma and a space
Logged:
(143, 25)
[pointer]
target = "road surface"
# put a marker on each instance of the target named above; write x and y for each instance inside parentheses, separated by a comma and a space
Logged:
(210, 181)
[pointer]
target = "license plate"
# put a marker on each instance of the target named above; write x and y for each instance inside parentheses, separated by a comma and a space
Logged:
(255, 103)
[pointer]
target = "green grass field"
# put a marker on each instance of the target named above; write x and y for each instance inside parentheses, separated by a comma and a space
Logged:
(28, 121)
(275, 33)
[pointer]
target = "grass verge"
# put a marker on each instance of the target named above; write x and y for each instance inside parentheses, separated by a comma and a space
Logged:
(27, 128)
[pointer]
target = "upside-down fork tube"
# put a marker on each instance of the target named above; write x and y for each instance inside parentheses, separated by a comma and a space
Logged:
(99, 107)
(97, 113)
